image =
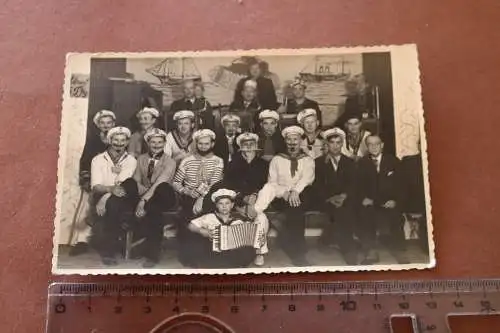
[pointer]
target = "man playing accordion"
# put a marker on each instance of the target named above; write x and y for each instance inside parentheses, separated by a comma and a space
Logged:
(242, 246)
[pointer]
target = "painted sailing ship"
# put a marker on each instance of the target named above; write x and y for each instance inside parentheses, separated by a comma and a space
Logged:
(325, 70)
(172, 71)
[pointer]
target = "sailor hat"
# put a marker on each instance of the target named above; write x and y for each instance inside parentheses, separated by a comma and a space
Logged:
(183, 114)
(203, 133)
(151, 111)
(155, 133)
(223, 193)
(292, 130)
(306, 113)
(230, 118)
(333, 132)
(251, 83)
(103, 113)
(269, 114)
(118, 130)
(246, 137)
(298, 82)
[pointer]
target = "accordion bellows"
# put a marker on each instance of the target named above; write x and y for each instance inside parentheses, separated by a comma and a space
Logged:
(230, 237)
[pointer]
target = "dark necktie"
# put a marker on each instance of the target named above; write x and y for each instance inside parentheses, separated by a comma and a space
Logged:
(375, 162)
(294, 165)
(151, 165)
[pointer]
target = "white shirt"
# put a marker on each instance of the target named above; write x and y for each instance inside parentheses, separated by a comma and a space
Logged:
(173, 150)
(335, 160)
(102, 169)
(280, 173)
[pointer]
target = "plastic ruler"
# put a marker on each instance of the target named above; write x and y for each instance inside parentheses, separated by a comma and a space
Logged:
(267, 307)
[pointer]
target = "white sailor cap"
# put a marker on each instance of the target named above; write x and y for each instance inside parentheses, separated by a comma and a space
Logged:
(251, 83)
(230, 118)
(306, 113)
(269, 114)
(333, 131)
(292, 130)
(246, 137)
(298, 82)
(151, 111)
(103, 113)
(203, 133)
(118, 130)
(223, 193)
(155, 133)
(183, 114)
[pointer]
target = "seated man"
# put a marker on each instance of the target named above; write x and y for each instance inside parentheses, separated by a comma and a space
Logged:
(312, 144)
(225, 144)
(334, 185)
(246, 173)
(355, 143)
(147, 120)
(95, 144)
(270, 140)
(298, 103)
(153, 175)
(247, 107)
(197, 173)
(379, 191)
(179, 143)
(290, 177)
(200, 107)
(114, 191)
(203, 230)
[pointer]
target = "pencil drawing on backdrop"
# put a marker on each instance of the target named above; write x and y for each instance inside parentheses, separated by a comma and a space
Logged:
(243, 161)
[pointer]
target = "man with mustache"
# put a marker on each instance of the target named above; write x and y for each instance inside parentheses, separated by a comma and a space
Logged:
(114, 191)
(153, 175)
(95, 144)
(147, 120)
(225, 144)
(179, 142)
(291, 175)
(271, 141)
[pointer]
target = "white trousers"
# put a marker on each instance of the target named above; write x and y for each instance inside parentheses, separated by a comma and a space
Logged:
(262, 229)
(268, 193)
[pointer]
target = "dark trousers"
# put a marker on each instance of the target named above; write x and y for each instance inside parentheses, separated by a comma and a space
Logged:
(291, 234)
(341, 228)
(371, 217)
(119, 211)
(151, 226)
(198, 254)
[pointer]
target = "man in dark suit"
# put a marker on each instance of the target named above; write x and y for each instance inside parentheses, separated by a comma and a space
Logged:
(334, 184)
(380, 197)
(265, 87)
(225, 144)
(202, 110)
(247, 107)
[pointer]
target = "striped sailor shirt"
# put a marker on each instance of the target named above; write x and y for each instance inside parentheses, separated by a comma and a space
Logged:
(195, 170)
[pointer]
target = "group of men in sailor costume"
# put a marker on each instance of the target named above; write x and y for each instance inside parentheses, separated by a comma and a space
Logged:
(237, 175)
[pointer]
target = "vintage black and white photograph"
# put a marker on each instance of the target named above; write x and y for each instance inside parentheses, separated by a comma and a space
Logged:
(228, 162)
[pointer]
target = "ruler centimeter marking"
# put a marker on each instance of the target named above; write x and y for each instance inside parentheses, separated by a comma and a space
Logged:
(266, 307)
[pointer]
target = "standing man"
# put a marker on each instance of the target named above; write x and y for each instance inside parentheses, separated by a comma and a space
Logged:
(334, 184)
(247, 106)
(147, 120)
(290, 178)
(104, 120)
(202, 110)
(197, 173)
(355, 144)
(153, 175)
(179, 141)
(271, 141)
(265, 87)
(299, 101)
(114, 191)
(312, 144)
(379, 191)
(225, 144)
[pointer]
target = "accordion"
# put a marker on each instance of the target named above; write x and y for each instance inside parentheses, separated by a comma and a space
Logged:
(230, 237)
